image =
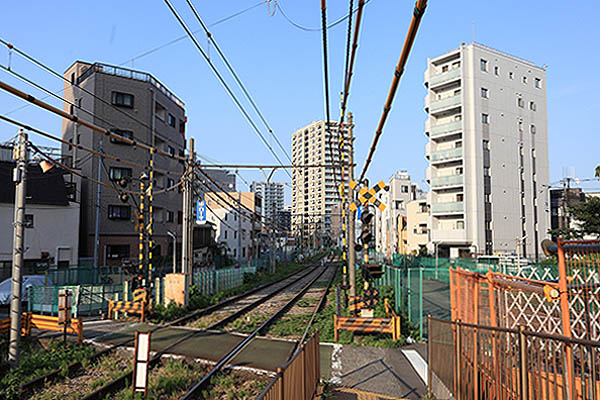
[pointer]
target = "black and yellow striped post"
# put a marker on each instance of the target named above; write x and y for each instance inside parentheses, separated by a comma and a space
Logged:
(150, 218)
(141, 226)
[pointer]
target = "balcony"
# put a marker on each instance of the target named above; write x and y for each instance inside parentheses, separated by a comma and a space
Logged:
(446, 181)
(443, 104)
(446, 129)
(445, 77)
(448, 235)
(446, 155)
(448, 208)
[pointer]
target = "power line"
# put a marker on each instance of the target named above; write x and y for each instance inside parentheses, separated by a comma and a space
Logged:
(221, 79)
(238, 80)
(350, 62)
(310, 29)
(408, 42)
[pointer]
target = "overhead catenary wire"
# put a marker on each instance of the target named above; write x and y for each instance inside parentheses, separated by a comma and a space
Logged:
(222, 80)
(350, 62)
(238, 80)
(311, 29)
(418, 12)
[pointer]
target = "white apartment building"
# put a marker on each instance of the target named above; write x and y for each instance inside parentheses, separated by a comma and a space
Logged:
(316, 190)
(388, 223)
(487, 152)
(417, 220)
(272, 197)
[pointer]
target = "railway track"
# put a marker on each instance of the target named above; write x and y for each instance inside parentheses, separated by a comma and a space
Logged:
(259, 295)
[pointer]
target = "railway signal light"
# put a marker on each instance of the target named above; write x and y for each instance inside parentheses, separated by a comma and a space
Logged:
(366, 234)
(372, 271)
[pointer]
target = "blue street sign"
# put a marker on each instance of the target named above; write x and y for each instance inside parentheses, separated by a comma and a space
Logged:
(359, 212)
(200, 211)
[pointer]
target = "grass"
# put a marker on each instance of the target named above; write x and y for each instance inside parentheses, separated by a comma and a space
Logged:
(36, 361)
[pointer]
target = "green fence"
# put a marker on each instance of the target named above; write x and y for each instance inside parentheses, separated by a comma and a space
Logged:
(85, 276)
(422, 284)
(210, 281)
(85, 300)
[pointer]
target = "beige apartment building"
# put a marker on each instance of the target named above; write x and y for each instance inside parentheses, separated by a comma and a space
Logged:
(315, 190)
(417, 219)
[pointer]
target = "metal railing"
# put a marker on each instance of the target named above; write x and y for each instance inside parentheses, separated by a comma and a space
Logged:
(446, 102)
(449, 180)
(442, 129)
(472, 361)
(449, 154)
(444, 77)
(447, 207)
(299, 377)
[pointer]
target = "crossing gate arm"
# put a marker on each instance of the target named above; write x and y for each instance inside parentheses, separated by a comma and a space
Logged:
(50, 323)
(132, 307)
(367, 325)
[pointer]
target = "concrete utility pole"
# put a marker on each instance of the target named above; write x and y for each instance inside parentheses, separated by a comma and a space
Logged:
(20, 180)
(96, 230)
(351, 214)
(239, 234)
(186, 237)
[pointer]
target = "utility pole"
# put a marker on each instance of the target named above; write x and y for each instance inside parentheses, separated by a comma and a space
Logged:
(186, 241)
(239, 234)
(20, 180)
(351, 214)
(96, 233)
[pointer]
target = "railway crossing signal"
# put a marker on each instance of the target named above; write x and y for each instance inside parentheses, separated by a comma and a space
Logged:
(368, 196)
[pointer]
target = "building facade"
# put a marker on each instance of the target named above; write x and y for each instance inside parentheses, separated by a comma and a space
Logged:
(417, 226)
(52, 204)
(136, 105)
(236, 228)
(316, 190)
(272, 198)
(487, 152)
(389, 238)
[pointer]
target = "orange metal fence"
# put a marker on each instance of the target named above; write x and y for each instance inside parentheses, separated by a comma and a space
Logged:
(299, 378)
(500, 363)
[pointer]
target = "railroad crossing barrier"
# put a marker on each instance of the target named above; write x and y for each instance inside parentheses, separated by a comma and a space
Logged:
(299, 377)
(367, 325)
(5, 324)
(50, 323)
(132, 307)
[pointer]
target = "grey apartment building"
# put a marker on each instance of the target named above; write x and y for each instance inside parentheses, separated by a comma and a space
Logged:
(272, 197)
(487, 152)
(136, 105)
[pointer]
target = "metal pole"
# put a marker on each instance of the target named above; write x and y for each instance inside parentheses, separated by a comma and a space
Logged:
(96, 234)
(20, 180)
(239, 211)
(351, 214)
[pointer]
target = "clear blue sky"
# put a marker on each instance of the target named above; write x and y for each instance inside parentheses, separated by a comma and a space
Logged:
(282, 67)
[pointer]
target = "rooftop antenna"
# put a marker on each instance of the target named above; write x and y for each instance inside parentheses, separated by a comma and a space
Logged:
(473, 32)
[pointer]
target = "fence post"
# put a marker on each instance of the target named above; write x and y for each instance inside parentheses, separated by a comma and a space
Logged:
(429, 355)
(523, 362)
(409, 294)
(457, 370)
(565, 314)
(421, 303)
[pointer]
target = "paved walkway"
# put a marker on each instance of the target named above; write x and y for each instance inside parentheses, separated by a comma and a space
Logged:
(380, 371)
(353, 394)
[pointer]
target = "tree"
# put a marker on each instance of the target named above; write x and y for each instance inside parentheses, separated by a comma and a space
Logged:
(586, 215)
(597, 171)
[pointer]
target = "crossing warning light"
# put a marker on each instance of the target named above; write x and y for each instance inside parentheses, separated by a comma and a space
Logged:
(366, 234)
(373, 271)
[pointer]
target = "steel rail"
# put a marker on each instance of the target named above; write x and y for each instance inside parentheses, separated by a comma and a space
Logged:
(121, 381)
(71, 368)
(196, 389)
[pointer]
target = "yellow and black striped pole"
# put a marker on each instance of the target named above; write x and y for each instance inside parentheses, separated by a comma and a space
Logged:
(141, 227)
(343, 196)
(150, 217)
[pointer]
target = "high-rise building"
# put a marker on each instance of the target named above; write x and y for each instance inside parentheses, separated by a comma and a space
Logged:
(487, 152)
(417, 219)
(135, 105)
(316, 190)
(272, 198)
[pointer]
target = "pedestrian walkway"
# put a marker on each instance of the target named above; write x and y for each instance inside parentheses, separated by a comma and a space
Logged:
(353, 394)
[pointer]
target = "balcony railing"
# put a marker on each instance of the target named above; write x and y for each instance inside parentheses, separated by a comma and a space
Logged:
(450, 180)
(444, 77)
(445, 103)
(443, 129)
(444, 155)
(449, 207)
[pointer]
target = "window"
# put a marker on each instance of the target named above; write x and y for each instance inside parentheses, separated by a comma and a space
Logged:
(520, 125)
(235, 234)
(122, 99)
(485, 118)
(181, 126)
(121, 132)
(520, 102)
(243, 252)
(483, 64)
(170, 182)
(172, 120)
(179, 217)
(484, 93)
(486, 144)
(460, 224)
(160, 111)
(460, 197)
(28, 221)
(486, 171)
(170, 216)
(532, 128)
(171, 150)
(117, 251)
(532, 106)
(458, 144)
(525, 80)
(404, 189)
(445, 68)
(459, 170)
(511, 75)
(496, 70)
(118, 173)
(225, 233)
(119, 212)
(538, 83)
